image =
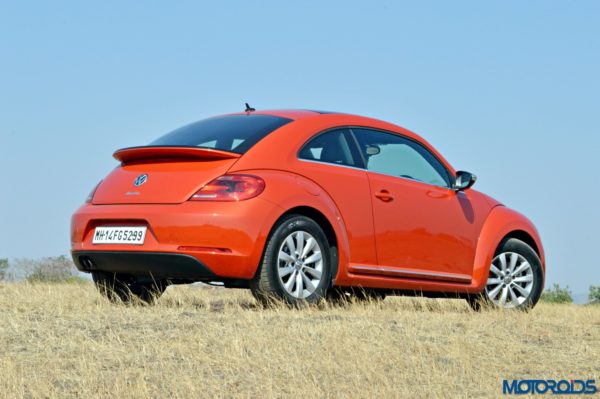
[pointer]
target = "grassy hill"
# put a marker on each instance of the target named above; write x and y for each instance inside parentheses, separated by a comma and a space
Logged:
(64, 340)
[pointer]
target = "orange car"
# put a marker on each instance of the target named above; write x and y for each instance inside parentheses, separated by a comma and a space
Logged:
(301, 205)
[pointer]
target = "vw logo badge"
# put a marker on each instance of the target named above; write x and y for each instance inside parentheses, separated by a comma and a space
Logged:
(141, 179)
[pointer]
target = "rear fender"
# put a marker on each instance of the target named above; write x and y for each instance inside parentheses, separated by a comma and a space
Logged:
(288, 191)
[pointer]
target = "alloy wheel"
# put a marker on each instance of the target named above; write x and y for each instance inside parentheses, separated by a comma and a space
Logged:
(510, 282)
(300, 264)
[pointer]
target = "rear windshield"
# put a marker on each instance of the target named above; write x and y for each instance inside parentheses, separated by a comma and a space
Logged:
(235, 133)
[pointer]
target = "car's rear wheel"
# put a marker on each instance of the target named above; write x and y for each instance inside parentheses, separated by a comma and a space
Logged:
(296, 264)
(127, 289)
(515, 280)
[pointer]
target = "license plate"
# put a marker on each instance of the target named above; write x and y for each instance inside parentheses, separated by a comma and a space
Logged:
(119, 235)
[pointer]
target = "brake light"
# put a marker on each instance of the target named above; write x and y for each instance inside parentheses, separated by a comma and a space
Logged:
(90, 196)
(230, 188)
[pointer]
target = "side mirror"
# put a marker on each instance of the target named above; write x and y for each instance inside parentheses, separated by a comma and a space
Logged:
(464, 180)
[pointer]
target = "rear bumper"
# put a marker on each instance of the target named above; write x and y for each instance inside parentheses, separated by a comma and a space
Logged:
(228, 237)
(155, 264)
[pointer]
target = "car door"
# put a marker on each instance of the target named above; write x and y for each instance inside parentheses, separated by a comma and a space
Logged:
(331, 160)
(423, 228)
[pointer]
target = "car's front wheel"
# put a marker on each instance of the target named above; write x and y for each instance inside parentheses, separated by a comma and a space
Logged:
(296, 265)
(515, 280)
(125, 288)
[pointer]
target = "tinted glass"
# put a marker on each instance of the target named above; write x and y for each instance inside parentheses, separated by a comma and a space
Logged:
(394, 155)
(331, 147)
(236, 133)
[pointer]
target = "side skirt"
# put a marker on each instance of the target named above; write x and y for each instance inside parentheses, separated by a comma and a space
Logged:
(410, 274)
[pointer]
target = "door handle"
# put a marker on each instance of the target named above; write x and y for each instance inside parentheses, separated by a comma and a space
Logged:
(385, 196)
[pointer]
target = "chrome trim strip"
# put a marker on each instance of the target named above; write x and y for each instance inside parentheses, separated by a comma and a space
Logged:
(332, 164)
(377, 173)
(393, 272)
(427, 147)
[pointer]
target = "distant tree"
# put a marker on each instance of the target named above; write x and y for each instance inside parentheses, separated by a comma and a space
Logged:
(52, 269)
(594, 295)
(557, 294)
(3, 268)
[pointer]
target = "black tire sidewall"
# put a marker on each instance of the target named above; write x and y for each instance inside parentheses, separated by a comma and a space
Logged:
(109, 286)
(284, 229)
(521, 248)
(117, 287)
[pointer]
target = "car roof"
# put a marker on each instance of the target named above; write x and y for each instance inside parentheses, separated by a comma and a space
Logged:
(339, 118)
(331, 119)
(294, 114)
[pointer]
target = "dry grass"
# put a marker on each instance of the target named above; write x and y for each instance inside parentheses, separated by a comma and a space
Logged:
(61, 340)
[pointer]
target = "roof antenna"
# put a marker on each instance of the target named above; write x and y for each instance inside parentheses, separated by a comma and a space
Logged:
(249, 108)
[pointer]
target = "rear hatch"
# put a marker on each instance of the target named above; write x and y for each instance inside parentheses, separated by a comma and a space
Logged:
(161, 175)
(173, 167)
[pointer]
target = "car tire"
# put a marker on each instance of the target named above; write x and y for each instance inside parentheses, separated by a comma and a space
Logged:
(515, 280)
(296, 264)
(126, 289)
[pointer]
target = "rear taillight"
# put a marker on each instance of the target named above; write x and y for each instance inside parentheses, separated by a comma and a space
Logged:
(90, 196)
(230, 188)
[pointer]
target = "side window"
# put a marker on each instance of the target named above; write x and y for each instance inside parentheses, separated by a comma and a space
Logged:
(331, 147)
(394, 155)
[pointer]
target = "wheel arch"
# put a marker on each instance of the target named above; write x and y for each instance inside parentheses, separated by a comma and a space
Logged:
(296, 194)
(524, 236)
(502, 223)
(323, 222)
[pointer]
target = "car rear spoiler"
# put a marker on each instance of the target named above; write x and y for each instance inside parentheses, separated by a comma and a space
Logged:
(166, 152)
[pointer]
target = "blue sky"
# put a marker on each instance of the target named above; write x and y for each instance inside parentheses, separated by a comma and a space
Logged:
(506, 89)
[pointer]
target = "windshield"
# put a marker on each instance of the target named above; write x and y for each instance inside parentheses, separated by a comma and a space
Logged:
(235, 133)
